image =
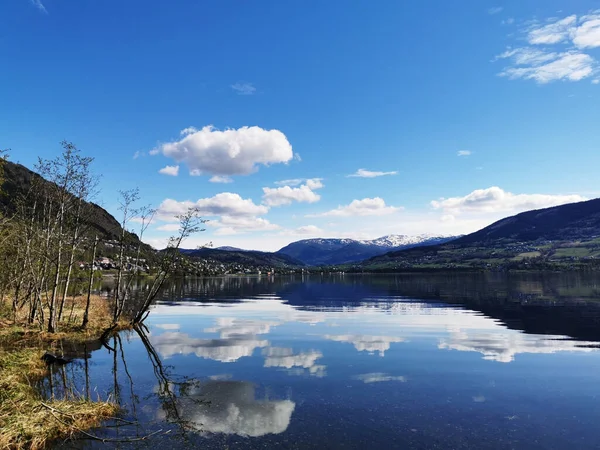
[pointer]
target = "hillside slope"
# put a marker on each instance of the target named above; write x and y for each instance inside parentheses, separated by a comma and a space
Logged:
(243, 257)
(18, 181)
(560, 236)
(566, 222)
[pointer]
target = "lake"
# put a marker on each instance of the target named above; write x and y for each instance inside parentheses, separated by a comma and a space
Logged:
(445, 361)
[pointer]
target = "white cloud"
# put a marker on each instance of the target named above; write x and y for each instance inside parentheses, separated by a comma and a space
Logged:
(244, 88)
(285, 195)
(587, 34)
(363, 173)
(495, 10)
(412, 224)
(508, 21)
(170, 170)
(248, 223)
(364, 343)
(527, 56)
(228, 225)
(230, 407)
(223, 204)
(39, 5)
(495, 199)
(228, 152)
(552, 33)
(596, 81)
(365, 207)
(570, 66)
(378, 377)
(555, 51)
(464, 153)
(292, 182)
(230, 214)
(220, 179)
(307, 230)
(168, 227)
(226, 231)
(138, 154)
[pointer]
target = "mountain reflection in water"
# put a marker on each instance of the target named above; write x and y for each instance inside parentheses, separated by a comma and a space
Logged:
(351, 361)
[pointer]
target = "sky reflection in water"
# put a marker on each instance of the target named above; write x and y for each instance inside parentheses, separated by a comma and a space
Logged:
(327, 363)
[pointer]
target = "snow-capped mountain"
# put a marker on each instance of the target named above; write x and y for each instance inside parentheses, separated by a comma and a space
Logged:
(402, 240)
(322, 251)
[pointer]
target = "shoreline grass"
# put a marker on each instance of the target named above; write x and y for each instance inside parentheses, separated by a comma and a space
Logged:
(27, 421)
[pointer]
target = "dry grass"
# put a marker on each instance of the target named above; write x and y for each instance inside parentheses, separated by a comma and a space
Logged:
(26, 420)
(17, 333)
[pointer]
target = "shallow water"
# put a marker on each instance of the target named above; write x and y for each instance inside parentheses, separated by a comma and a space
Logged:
(432, 362)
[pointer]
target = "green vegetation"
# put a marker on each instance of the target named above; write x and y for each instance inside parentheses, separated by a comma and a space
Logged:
(502, 255)
(28, 422)
(527, 255)
(565, 237)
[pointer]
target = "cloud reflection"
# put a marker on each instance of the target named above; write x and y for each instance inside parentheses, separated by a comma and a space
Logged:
(366, 343)
(168, 326)
(228, 327)
(297, 363)
(378, 377)
(224, 350)
(502, 347)
(229, 407)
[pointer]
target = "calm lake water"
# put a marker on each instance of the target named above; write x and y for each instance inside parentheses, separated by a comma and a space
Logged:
(483, 361)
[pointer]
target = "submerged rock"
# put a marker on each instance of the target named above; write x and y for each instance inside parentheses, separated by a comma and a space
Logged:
(50, 358)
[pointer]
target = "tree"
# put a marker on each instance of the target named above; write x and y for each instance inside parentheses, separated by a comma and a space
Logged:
(69, 174)
(126, 206)
(189, 223)
(84, 184)
(91, 282)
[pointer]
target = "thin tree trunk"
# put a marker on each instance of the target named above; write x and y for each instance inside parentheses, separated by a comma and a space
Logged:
(89, 292)
(117, 310)
(52, 325)
(71, 258)
(68, 278)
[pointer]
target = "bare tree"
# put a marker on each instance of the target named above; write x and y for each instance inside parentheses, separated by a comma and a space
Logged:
(67, 173)
(189, 223)
(127, 201)
(83, 185)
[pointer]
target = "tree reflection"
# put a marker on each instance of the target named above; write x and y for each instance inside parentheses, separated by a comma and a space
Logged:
(215, 406)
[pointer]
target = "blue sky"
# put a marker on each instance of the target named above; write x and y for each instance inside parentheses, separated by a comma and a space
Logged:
(458, 113)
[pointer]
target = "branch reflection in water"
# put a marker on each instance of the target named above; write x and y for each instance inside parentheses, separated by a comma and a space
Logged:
(433, 354)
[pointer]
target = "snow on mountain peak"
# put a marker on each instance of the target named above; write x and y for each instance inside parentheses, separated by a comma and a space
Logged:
(398, 240)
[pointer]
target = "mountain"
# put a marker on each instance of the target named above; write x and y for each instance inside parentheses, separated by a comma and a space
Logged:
(246, 258)
(566, 222)
(18, 181)
(227, 248)
(317, 252)
(566, 236)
